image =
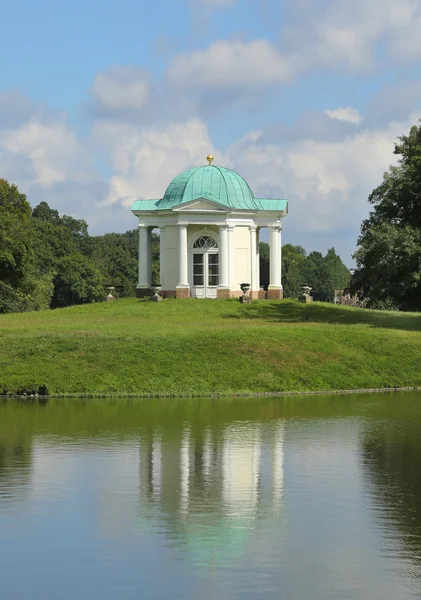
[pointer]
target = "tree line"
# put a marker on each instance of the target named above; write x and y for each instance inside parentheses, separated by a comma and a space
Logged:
(48, 260)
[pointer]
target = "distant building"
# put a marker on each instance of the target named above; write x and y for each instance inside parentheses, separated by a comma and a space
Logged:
(209, 222)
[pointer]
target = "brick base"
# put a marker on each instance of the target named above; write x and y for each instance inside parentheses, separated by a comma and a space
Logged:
(181, 293)
(253, 294)
(275, 294)
(223, 294)
(262, 295)
(168, 293)
(143, 292)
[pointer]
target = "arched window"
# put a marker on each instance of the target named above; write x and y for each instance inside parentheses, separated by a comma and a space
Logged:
(205, 242)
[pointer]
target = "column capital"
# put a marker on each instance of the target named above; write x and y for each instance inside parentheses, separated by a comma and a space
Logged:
(182, 226)
(142, 226)
(253, 227)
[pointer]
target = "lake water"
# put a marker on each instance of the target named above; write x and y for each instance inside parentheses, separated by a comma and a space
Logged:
(293, 498)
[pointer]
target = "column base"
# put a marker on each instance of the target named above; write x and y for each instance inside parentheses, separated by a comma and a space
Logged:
(223, 293)
(182, 292)
(142, 292)
(274, 293)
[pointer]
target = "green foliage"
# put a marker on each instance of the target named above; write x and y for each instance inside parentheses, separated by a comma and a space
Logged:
(324, 274)
(264, 264)
(77, 282)
(389, 247)
(15, 240)
(293, 260)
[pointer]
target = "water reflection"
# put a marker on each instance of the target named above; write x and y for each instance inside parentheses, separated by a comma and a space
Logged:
(205, 488)
(261, 498)
(392, 466)
(15, 468)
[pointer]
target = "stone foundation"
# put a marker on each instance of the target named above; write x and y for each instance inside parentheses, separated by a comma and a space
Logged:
(182, 292)
(143, 292)
(223, 294)
(274, 294)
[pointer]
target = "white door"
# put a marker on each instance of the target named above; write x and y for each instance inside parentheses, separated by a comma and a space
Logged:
(205, 268)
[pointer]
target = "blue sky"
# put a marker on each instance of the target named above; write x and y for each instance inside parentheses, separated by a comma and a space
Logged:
(102, 103)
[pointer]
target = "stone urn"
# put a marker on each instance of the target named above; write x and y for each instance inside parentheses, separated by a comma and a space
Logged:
(156, 288)
(110, 296)
(305, 297)
(245, 287)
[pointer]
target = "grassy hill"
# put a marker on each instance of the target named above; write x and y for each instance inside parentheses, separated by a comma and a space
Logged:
(202, 347)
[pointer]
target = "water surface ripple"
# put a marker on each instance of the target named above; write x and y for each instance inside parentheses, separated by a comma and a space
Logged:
(301, 498)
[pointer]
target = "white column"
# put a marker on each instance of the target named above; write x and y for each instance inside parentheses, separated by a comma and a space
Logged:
(223, 258)
(183, 281)
(149, 253)
(230, 257)
(275, 281)
(258, 257)
(253, 265)
(162, 256)
(144, 258)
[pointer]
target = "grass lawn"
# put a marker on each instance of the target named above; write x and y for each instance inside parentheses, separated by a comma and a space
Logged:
(201, 347)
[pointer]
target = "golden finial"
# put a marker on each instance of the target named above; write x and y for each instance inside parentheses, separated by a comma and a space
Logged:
(209, 158)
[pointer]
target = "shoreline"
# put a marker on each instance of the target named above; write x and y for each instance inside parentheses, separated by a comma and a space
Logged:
(123, 395)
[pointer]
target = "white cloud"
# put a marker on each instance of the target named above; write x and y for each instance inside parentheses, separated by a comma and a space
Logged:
(230, 64)
(145, 160)
(337, 32)
(327, 183)
(52, 150)
(121, 88)
(346, 114)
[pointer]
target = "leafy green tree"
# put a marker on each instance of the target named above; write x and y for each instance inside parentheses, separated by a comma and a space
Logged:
(388, 256)
(77, 282)
(15, 240)
(325, 274)
(44, 213)
(293, 260)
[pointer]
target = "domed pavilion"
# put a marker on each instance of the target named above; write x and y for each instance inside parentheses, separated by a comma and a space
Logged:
(209, 222)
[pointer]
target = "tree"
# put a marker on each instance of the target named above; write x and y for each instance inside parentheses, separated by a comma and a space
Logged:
(325, 274)
(293, 260)
(15, 240)
(77, 282)
(388, 256)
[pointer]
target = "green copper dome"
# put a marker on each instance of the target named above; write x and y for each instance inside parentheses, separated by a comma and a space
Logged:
(215, 183)
(212, 182)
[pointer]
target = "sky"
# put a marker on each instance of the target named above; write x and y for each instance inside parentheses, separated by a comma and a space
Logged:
(102, 103)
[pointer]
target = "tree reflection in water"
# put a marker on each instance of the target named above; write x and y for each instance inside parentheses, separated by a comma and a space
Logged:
(392, 462)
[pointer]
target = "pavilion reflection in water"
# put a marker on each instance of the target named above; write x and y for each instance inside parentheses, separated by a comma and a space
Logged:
(208, 489)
